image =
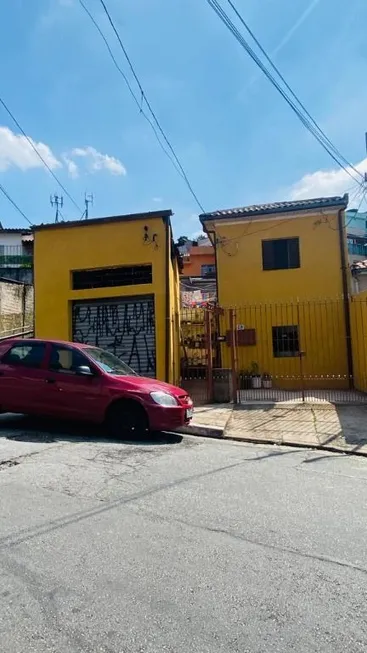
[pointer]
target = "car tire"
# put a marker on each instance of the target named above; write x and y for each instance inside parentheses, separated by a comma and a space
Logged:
(126, 419)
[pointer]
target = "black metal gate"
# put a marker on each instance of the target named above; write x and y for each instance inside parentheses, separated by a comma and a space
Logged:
(124, 325)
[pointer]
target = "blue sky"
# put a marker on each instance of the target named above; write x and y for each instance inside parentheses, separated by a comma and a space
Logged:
(237, 139)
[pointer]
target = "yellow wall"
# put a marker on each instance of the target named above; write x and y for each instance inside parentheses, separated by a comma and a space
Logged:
(358, 316)
(241, 278)
(174, 284)
(310, 297)
(59, 251)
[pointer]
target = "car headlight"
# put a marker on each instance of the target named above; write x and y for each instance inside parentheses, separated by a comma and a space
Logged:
(163, 398)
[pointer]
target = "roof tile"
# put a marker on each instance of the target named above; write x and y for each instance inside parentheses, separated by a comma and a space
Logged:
(277, 207)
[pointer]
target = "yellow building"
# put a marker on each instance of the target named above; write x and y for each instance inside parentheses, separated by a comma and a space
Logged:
(283, 269)
(112, 282)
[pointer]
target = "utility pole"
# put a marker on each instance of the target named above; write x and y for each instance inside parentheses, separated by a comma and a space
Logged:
(57, 202)
(88, 199)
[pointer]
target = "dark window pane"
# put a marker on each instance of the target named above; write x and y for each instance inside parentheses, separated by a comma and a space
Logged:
(27, 355)
(111, 277)
(281, 254)
(285, 341)
(293, 249)
(268, 254)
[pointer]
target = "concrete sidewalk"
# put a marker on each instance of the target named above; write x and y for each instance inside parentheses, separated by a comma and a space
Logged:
(329, 427)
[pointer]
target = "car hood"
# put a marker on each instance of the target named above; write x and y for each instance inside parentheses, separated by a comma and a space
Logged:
(145, 384)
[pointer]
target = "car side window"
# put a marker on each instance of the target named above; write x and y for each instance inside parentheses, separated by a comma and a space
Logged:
(27, 355)
(66, 360)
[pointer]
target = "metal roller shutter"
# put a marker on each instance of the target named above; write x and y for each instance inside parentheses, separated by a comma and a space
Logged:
(123, 326)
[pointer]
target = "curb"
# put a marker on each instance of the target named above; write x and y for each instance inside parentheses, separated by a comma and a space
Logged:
(203, 431)
(218, 434)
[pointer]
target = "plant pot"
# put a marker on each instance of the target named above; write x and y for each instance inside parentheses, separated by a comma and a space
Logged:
(256, 382)
(267, 384)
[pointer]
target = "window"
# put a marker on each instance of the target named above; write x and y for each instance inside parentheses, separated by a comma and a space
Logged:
(66, 360)
(207, 270)
(285, 341)
(126, 275)
(30, 355)
(281, 254)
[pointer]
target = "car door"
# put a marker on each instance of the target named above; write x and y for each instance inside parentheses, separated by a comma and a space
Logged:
(74, 395)
(22, 378)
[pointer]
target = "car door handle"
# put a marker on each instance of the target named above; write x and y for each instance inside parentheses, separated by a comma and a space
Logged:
(50, 380)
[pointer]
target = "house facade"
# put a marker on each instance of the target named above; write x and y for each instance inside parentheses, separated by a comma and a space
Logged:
(356, 227)
(198, 259)
(283, 269)
(112, 282)
(16, 254)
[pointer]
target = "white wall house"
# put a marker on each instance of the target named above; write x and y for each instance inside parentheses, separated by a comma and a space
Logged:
(16, 254)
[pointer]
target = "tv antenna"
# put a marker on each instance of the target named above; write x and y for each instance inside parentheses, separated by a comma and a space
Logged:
(88, 199)
(57, 202)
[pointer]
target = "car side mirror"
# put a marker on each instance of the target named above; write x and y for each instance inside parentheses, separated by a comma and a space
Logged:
(84, 370)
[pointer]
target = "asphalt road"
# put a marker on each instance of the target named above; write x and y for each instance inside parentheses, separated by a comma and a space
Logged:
(178, 546)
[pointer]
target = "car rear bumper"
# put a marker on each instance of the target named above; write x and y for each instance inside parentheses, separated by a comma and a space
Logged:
(162, 418)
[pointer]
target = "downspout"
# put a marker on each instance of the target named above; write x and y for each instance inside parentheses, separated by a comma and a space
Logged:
(344, 268)
(168, 302)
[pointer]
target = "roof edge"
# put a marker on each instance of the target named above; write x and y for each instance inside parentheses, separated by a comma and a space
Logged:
(130, 217)
(276, 209)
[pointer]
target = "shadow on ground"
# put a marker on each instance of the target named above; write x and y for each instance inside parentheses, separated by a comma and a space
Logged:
(24, 428)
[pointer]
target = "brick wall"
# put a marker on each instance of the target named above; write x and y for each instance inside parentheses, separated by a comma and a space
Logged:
(16, 306)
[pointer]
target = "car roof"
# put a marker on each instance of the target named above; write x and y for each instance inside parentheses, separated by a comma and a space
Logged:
(26, 341)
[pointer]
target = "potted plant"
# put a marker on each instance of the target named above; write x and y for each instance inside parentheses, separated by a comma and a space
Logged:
(255, 375)
(266, 380)
(245, 380)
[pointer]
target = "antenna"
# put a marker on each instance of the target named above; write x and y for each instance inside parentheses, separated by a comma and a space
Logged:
(88, 199)
(57, 202)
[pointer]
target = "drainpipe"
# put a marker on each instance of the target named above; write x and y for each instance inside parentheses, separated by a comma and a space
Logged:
(344, 269)
(168, 302)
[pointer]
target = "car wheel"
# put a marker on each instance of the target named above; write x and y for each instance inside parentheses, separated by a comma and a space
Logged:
(126, 418)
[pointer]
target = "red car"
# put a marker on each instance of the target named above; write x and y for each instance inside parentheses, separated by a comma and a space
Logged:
(75, 381)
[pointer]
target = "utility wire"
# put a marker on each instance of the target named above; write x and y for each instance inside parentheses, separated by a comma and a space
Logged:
(276, 69)
(144, 98)
(232, 28)
(2, 189)
(135, 98)
(39, 154)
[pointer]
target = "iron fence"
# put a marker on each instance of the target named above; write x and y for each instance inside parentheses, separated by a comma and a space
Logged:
(291, 352)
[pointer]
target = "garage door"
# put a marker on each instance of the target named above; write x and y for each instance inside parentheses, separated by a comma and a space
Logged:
(124, 326)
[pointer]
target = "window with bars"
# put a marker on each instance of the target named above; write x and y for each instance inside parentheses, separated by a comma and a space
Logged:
(281, 254)
(285, 341)
(126, 275)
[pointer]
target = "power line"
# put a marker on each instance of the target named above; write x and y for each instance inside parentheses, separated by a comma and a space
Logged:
(2, 189)
(145, 99)
(214, 4)
(276, 69)
(29, 140)
(135, 98)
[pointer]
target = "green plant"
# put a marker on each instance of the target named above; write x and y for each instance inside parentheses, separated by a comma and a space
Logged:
(254, 369)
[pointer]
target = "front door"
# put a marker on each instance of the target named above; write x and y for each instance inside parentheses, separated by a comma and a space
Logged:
(22, 379)
(74, 396)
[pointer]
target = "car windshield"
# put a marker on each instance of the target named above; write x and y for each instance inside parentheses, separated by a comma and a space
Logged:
(108, 362)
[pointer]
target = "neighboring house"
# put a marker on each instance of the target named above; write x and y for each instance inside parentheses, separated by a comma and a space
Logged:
(16, 254)
(283, 267)
(112, 282)
(359, 275)
(356, 227)
(198, 259)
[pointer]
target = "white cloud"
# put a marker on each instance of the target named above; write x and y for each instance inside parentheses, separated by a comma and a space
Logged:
(325, 182)
(98, 161)
(157, 200)
(72, 168)
(16, 151)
